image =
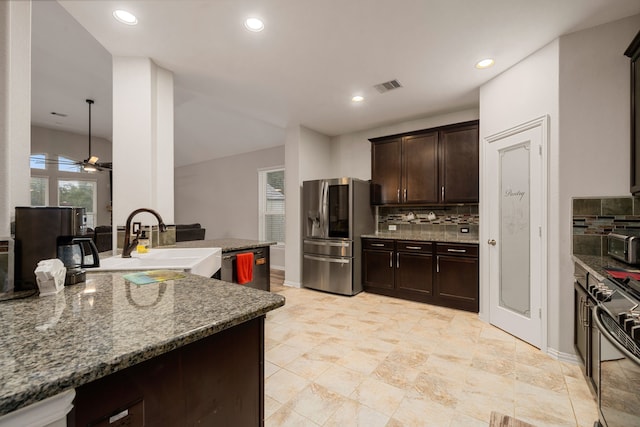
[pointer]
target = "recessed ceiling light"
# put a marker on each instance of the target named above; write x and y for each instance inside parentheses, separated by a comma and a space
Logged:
(254, 24)
(125, 17)
(485, 63)
(357, 98)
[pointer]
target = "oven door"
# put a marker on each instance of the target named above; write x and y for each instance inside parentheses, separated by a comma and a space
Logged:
(618, 398)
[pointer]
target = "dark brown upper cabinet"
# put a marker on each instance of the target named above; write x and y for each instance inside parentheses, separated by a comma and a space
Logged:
(431, 166)
(633, 52)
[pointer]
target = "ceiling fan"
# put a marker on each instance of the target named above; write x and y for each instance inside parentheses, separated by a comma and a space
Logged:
(90, 164)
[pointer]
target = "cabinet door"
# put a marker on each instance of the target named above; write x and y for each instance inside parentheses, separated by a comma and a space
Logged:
(377, 269)
(459, 164)
(420, 168)
(414, 272)
(385, 171)
(457, 282)
(580, 332)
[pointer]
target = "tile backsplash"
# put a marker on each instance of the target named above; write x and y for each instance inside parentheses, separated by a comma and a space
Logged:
(594, 218)
(429, 219)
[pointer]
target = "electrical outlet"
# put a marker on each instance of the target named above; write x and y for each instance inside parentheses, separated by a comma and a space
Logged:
(464, 230)
(392, 227)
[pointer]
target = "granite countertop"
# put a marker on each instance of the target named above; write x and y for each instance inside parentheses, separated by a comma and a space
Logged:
(227, 245)
(596, 265)
(92, 329)
(426, 237)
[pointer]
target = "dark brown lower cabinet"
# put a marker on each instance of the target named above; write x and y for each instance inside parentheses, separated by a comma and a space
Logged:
(457, 276)
(218, 380)
(436, 273)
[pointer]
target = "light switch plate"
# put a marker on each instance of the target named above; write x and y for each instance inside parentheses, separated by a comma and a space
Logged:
(392, 227)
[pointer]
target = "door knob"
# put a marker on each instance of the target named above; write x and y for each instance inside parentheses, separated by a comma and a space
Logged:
(491, 242)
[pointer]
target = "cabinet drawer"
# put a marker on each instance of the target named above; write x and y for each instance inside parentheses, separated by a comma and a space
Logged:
(379, 244)
(414, 246)
(461, 249)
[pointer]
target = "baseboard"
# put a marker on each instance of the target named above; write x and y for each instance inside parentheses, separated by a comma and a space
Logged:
(277, 267)
(292, 284)
(563, 357)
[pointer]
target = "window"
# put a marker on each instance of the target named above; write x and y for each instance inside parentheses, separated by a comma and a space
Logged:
(38, 161)
(81, 194)
(68, 165)
(271, 204)
(39, 191)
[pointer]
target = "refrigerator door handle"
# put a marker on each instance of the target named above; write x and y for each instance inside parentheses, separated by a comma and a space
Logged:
(324, 232)
(325, 259)
(338, 244)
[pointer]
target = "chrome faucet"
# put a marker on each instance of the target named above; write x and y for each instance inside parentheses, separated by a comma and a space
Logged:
(128, 246)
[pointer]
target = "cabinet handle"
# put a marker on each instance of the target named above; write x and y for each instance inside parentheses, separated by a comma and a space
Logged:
(405, 194)
(399, 195)
(414, 247)
(581, 310)
(461, 251)
(586, 314)
(380, 245)
(390, 259)
(442, 193)
(398, 260)
(437, 264)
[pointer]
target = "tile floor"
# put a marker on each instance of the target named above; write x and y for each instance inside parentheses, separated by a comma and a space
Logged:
(370, 360)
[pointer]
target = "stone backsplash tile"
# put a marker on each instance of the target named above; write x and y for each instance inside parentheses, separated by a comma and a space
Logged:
(594, 218)
(617, 206)
(445, 220)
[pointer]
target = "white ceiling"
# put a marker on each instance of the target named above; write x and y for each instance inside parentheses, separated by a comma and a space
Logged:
(237, 91)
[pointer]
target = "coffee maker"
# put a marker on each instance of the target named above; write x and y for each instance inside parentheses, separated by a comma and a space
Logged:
(46, 233)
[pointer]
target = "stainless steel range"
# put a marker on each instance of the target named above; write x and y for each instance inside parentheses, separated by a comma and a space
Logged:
(617, 318)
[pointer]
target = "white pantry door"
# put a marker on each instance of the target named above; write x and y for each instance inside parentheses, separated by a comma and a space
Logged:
(517, 212)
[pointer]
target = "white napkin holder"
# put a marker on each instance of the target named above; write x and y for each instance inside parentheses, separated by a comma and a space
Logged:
(50, 275)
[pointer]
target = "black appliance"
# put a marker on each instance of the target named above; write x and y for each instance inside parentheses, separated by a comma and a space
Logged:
(617, 318)
(77, 253)
(36, 238)
(261, 268)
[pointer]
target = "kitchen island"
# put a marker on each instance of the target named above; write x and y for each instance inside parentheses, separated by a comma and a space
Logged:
(105, 327)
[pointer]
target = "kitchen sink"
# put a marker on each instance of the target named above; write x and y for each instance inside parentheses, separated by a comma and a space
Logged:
(201, 261)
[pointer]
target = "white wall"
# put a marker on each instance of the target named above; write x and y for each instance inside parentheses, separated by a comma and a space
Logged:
(15, 109)
(582, 82)
(142, 140)
(351, 153)
(73, 146)
(525, 92)
(222, 195)
(594, 135)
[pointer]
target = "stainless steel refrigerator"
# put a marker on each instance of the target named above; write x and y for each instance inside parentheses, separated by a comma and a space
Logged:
(335, 213)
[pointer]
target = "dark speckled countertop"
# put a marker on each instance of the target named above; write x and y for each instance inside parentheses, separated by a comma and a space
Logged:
(92, 329)
(227, 245)
(596, 264)
(423, 237)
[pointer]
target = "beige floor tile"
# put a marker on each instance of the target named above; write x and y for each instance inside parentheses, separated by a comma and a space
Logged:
(378, 395)
(436, 388)
(317, 403)
(416, 411)
(283, 354)
(270, 369)
(340, 379)
(540, 406)
(285, 416)
(284, 385)
(354, 414)
(370, 360)
(550, 380)
(308, 367)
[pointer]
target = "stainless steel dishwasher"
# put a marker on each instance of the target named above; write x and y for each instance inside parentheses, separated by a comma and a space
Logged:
(261, 268)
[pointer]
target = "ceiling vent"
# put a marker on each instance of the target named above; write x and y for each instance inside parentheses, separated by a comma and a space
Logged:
(387, 86)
